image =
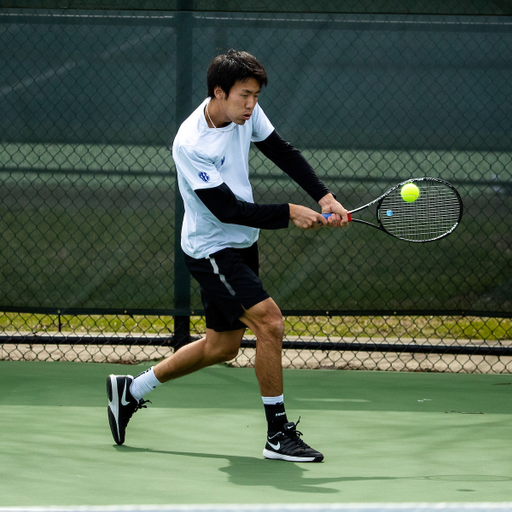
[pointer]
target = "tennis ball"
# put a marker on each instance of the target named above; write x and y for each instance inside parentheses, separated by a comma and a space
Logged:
(410, 192)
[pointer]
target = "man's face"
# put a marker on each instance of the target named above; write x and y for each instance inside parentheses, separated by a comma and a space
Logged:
(238, 106)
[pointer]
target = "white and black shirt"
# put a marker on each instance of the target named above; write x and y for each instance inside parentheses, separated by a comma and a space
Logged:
(213, 177)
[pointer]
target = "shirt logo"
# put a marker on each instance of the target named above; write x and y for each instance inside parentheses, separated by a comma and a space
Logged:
(204, 176)
(222, 161)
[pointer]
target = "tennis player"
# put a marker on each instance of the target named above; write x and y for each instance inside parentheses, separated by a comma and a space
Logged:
(219, 238)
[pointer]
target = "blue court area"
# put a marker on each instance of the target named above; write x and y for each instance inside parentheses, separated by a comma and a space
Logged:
(387, 438)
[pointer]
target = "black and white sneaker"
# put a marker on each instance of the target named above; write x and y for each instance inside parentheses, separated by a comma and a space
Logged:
(121, 404)
(287, 445)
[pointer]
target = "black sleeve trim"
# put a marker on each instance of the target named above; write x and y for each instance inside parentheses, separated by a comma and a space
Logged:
(292, 162)
(228, 209)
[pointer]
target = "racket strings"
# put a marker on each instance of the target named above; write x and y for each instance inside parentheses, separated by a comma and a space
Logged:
(434, 214)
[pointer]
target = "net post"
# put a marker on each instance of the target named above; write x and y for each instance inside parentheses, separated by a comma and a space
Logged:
(184, 75)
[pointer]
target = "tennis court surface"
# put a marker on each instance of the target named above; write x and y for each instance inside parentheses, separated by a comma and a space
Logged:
(395, 438)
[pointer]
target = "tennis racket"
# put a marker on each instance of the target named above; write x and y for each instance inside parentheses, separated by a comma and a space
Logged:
(433, 215)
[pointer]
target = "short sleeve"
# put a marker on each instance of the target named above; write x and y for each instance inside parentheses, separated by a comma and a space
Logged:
(197, 169)
(261, 126)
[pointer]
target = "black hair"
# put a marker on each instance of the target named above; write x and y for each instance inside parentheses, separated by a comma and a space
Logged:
(233, 66)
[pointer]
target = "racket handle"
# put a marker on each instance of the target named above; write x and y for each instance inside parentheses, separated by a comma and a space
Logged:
(327, 215)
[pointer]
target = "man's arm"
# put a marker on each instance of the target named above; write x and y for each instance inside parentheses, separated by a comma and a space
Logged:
(292, 162)
(227, 208)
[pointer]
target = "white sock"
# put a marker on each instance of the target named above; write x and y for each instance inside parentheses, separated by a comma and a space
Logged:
(144, 383)
(273, 400)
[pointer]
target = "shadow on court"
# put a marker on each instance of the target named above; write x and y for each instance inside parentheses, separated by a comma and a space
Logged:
(252, 471)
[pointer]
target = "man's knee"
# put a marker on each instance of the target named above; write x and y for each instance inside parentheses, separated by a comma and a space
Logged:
(227, 354)
(270, 326)
(276, 326)
(265, 319)
(223, 346)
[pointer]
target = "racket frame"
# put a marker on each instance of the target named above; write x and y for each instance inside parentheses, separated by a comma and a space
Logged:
(378, 201)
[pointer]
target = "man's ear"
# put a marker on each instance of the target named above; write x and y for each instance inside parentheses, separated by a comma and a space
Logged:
(219, 93)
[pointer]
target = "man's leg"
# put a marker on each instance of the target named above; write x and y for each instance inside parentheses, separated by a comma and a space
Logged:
(283, 439)
(215, 348)
(266, 322)
(125, 393)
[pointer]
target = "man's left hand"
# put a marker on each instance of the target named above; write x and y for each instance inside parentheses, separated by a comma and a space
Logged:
(339, 217)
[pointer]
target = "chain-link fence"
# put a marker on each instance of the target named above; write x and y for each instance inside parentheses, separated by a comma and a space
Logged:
(89, 231)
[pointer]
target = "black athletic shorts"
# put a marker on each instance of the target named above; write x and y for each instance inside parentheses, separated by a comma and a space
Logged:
(229, 285)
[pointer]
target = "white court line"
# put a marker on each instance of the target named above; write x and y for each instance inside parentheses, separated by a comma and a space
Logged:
(47, 75)
(134, 41)
(345, 507)
(351, 400)
(280, 20)
(365, 21)
(89, 15)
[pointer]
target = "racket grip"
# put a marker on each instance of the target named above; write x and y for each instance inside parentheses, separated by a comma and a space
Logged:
(327, 215)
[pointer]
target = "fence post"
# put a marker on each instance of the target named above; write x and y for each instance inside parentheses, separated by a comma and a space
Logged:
(184, 71)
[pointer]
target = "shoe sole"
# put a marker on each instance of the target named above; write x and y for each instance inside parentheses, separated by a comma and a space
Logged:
(113, 408)
(268, 454)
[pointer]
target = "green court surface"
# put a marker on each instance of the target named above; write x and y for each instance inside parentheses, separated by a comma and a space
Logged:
(387, 437)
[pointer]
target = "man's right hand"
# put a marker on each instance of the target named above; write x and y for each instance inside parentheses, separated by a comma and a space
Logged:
(306, 218)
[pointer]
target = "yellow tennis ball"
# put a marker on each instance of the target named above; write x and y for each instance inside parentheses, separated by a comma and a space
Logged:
(410, 192)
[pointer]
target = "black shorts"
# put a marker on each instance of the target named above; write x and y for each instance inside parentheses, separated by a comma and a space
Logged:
(229, 285)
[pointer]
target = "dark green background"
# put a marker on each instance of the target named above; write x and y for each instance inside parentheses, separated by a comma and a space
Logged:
(90, 101)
